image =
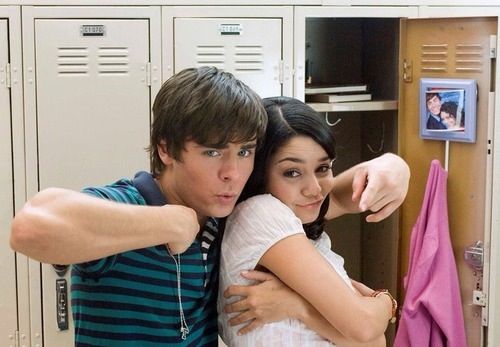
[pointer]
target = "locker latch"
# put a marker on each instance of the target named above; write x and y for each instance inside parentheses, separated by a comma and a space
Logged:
(407, 71)
(473, 256)
(493, 46)
(62, 303)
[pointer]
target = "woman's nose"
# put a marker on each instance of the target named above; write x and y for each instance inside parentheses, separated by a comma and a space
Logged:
(312, 187)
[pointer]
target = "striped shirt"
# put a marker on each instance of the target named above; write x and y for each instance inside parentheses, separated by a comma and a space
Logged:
(131, 299)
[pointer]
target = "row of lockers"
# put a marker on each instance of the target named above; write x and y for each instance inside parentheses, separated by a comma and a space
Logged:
(85, 87)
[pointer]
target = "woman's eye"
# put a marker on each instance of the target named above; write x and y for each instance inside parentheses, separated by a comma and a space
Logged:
(291, 173)
(324, 169)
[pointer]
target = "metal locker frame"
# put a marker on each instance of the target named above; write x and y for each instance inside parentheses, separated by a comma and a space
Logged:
(29, 16)
(283, 12)
(20, 318)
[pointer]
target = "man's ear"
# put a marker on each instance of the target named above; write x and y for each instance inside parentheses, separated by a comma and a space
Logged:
(165, 157)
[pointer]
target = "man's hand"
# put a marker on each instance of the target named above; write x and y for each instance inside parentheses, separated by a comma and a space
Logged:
(267, 301)
(380, 185)
(184, 223)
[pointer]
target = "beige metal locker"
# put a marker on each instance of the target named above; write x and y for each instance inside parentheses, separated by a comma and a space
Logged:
(250, 48)
(254, 43)
(8, 299)
(93, 83)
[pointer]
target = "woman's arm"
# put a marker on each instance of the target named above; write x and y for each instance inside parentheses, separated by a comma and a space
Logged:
(61, 226)
(379, 185)
(270, 300)
(297, 263)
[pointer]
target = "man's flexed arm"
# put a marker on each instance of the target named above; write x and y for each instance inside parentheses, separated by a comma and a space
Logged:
(61, 226)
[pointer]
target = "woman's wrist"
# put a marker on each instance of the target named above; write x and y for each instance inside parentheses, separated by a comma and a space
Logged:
(394, 304)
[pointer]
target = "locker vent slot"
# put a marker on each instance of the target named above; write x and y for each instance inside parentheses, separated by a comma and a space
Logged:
(113, 60)
(469, 57)
(72, 61)
(434, 57)
(212, 55)
(249, 58)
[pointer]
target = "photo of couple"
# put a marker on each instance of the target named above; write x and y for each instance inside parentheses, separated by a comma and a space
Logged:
(445, 110)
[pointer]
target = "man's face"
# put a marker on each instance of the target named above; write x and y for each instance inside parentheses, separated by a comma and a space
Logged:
(209, 180)
(434, 105)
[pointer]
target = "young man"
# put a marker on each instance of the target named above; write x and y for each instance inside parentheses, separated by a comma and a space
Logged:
(433, 102)
(145, 251)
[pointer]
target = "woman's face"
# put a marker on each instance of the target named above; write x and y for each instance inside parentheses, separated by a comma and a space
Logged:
(448, 119)
(300, 175)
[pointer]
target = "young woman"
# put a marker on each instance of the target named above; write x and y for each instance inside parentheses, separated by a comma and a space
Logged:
(279, 227)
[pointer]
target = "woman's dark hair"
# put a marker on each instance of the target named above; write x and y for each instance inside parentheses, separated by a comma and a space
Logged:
(287, 118)
(450, 107)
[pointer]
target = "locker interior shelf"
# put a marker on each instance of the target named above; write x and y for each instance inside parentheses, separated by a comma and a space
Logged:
(377, 105)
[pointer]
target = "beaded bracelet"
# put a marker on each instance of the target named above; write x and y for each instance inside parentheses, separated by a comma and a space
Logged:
(379, 292)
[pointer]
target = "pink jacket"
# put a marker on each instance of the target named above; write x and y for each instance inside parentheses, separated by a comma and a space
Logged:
(432, 311)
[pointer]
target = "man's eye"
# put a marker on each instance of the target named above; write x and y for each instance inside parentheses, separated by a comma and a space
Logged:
(244, 153)
(212, 153)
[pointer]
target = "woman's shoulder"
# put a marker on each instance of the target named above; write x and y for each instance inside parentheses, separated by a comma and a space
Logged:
(262, 203)
(263, 212)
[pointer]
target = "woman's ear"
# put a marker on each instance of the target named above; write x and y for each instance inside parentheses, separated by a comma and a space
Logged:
(165, 157)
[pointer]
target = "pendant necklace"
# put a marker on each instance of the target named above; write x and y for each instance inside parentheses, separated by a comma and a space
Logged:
(184, 327)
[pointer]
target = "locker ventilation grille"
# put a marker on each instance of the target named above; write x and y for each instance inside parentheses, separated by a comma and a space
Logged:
(113, 60)
(434, 57)
(248, 58)
(72, 61)
(469, 57)
(211, 55)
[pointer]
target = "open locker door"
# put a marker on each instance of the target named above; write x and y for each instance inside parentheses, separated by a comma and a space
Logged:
(457, 48)
(8, 297)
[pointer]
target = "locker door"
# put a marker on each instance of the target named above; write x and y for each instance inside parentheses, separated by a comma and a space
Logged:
(248, 48)
(93, 116)
(8, 300)
(450, 48)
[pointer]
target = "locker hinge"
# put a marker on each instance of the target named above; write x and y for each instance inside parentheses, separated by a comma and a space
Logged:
(281, 71)
(493, 46)
(8, 77)
(407, 71)
(16, 338)
(480, 299)
(148, 74)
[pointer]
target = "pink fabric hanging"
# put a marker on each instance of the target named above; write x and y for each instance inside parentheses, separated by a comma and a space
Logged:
(432, 311)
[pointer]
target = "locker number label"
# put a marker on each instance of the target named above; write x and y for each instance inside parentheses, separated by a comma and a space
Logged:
(92, 30)
(230, 29)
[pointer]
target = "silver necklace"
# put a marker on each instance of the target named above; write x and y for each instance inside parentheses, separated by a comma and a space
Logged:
(184, 327)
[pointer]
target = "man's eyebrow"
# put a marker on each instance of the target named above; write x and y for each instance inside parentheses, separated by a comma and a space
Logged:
(248, 145)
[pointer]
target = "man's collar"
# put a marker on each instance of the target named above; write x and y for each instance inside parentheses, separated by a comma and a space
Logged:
(146, 185)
